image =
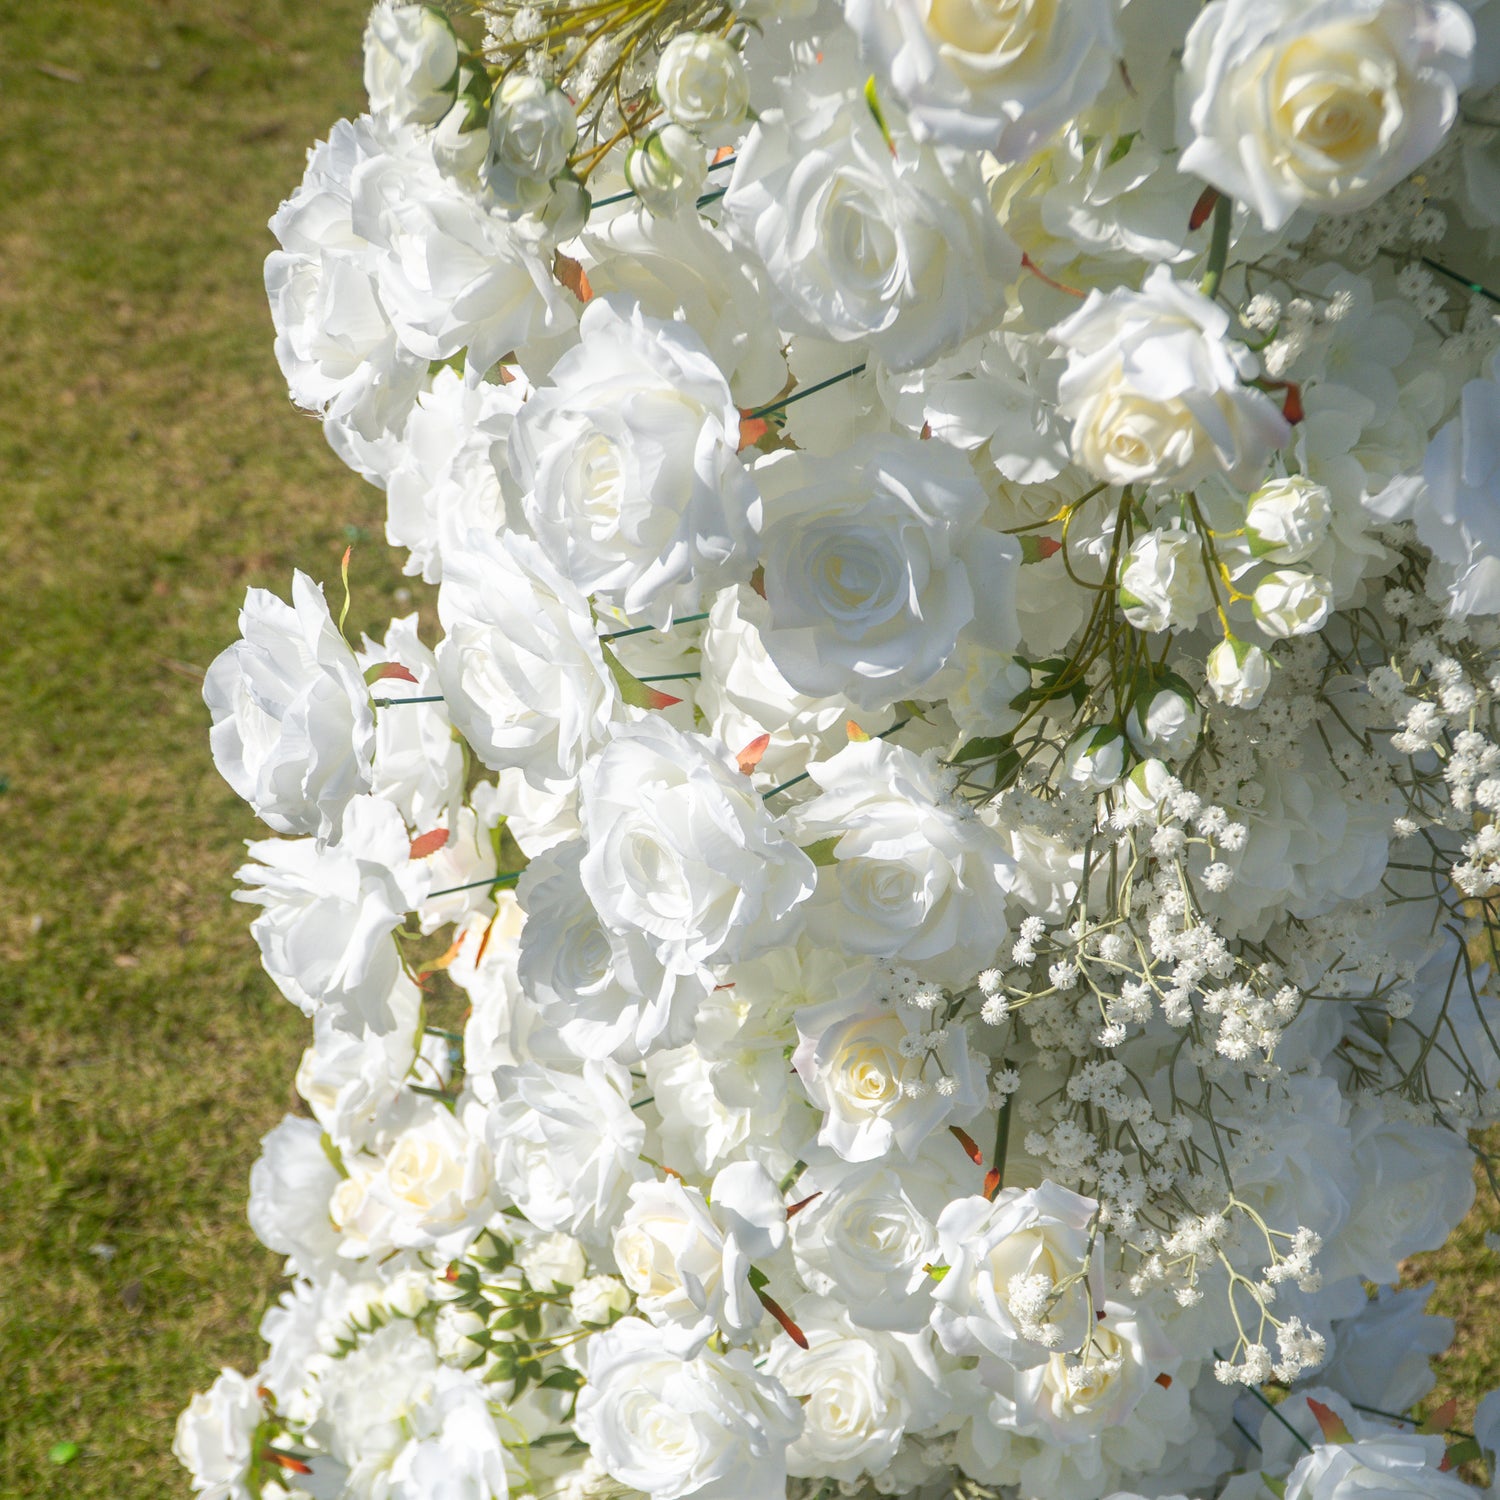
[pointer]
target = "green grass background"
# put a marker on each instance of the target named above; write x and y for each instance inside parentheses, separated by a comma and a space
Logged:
(150, 468)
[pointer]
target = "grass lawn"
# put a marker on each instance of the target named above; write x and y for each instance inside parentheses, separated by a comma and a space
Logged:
(152, 468)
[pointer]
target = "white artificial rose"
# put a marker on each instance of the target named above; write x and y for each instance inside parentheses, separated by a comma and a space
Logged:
(291, 1184)
(599, 1300)
(1381, 1356)
(711, 1426)
(701, 83)
(883, 1085)
(896, 252)
(626, 464)
(411, 63)
(1238, 673)
(215, 1436)
(875, 564)
(532, 129)
(1158, 392)
(552, 1261)
(1287, 519)
(435, 1181)
(983, 702)
(520, 663)
(1164, 582)
(1290, 602)
(329, 911)
(1020, 1281)
(667, 170)
(1286, 105)
(1165, 721)
(1392, 1465)
(1001, 76)
(293, 732)
(682, 850)
(915, 875)
(566, 1146)
(1095, 758)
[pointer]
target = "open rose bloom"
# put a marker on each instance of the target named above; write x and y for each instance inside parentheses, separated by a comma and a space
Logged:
(916, 916)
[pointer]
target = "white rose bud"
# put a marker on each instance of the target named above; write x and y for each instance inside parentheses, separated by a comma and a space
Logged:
(1290, 602)
(1165, 722)
(1287, 519)
(667, 171)
(1238, 673)
(1164, 583)
(1146, 785)
(1095, 757)
(532, 130)
(702, 85)
(411, 64)
(599, 1299)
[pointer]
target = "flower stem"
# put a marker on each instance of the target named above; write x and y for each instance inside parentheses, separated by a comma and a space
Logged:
(1218, 248)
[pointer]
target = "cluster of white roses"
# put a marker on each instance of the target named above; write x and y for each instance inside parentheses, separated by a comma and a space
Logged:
(921, 924)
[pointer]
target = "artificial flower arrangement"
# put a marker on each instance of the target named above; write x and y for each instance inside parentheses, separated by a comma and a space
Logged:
(925, 927)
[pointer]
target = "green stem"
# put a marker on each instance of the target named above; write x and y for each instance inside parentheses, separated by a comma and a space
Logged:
(1218, 248)
(811, 390)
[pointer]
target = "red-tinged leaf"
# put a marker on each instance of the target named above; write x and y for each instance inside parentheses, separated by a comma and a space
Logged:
(966, 1140)
(797, 1207)
(1291, 408)
(264, 1392)
(1202, 208)
(451, 1274)
(1440, 1419)
(752, 430)
(344, 560)
(857, 736)
(719, 987)
(991, 1184)
(1330, 1423)
(285, 1461)
(778, 1312)
(926, 431)
(655, 698)
(390, 671)
(758, 581)
(753, 753)
(484, 942)
(572, 275)
(1035, 549)
(507, 375)
(636, 693)
(721, 153)
(428, 843)
(1164, 1381)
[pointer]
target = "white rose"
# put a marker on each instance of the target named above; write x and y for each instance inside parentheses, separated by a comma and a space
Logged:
(1381, 1355)
(1157, 390)
(682, 850)
(599, 1299)
(1290, 602)
(532, 130)
(984, 701)
(436, 1181)
(1020, 1281)
(866, 1065)
(1286, 105)
(915, 875)
(552, 1261)
(329, 911)
(875, 563)
(667, 170)
(293, 731)
(1287, 519)
(897, 252)
(350, 1080)
(411, 63)
(701, 83)
(1238, 673)
(291, 1184)
(215, 1435)
(627, 468)
(1164, 581)
(521, 665)
(1000, 76)
(1165, 721)
(1392, 1465)
(712, 1425)
(1095, 758)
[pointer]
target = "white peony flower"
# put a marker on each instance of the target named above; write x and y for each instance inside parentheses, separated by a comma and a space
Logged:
(1286, 105)
(411, 63)
(711, 1426)
(914, 874)
(682, 851)
(997, 77)
(626, 464)
(521, 665)
(215, 1436)
(701, 83)
(532, 130)
(1157, 390)
(875, 563)
(293, 731)
(330, 909)
(1021, 1281)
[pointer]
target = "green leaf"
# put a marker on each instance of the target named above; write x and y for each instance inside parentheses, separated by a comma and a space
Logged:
(758, 1279)
(1276, 1486)
(1121, 148)
(1463, 1452)
(821, 853)
(937, 1272)
(62, 1453)
(636, 693)
(563, 1380)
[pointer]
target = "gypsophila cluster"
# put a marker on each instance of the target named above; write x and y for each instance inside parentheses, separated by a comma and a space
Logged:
(911, 912)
